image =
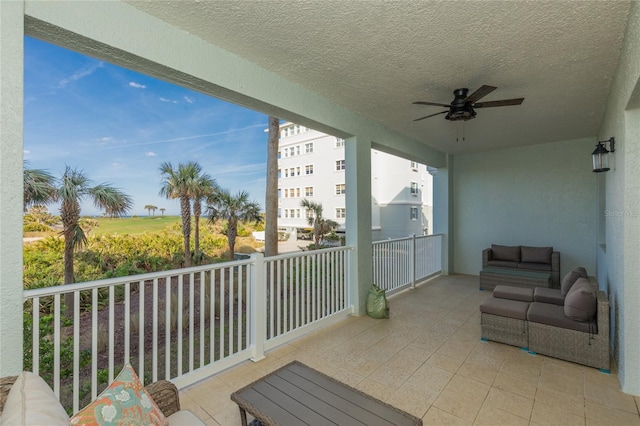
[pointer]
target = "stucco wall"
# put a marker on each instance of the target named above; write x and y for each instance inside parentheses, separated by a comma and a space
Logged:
(11, 63)
(622, 203)
(543, 195)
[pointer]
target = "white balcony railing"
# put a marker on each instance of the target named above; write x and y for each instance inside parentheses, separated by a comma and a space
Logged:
(402, 262)
(180, 325)
(188, 324)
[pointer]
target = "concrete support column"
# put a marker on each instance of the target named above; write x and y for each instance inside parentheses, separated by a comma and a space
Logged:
(443, 211)
(358, 198)
(11, 147)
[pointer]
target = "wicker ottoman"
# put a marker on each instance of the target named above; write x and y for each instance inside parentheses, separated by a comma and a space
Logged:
(505, 321)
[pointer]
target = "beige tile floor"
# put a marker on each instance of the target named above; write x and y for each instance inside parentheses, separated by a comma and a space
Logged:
(428, 359)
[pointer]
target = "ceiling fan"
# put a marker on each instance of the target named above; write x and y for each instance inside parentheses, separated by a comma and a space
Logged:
(462, 107)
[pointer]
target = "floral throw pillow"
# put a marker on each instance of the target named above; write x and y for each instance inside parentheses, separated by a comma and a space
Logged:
(124, 402)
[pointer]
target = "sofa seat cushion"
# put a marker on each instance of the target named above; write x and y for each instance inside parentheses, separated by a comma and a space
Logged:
(536, 254)
(32, 402)
(184, 417)
(548, 295)
(502, 264)
(535, 266)
(508, 253)
(505, 308)
(513, 293)
(546, 313)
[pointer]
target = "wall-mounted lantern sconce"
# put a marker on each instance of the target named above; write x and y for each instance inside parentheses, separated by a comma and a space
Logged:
(600, 157)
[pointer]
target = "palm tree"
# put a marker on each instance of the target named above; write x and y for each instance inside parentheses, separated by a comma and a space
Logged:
(39, 187)
(162, 209)
(271, 202)
(321, 226)
(150, 208)
(180, 183)
(223, 205)
(204, 189)
(73, 188)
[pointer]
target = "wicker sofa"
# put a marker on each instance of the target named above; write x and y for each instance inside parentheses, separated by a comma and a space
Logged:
(163, 392)
(540, 326)
(520, 266)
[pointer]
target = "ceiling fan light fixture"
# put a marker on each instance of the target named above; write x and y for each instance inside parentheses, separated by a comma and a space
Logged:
(460, 113)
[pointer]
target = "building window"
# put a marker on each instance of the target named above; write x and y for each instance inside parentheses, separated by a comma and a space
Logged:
(298, 192)
(340, 188)
(309, 214)
(279, 173)
(286, 213)
(308, 169)
(291, 172)
(308, 191)
(297, 171)
(279, 212)
(279, 155)
(414, 213)
(414, 188)
(286, 193)
(297, 213)
(339, 142)
(286, 172)
(341, 213)
(340, 165)
(414, 166)
(297, 149)
(308, 148)
(279, 193)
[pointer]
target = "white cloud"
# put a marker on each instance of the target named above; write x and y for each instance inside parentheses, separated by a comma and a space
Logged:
(115, 164)
(188, 100)
(106, 139)
(137, 85)
(150, 154)
(167, 100)
(26, 151)
(81, 73)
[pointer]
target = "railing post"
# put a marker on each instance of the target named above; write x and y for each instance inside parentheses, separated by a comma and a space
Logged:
(412, 260)
(258, 307)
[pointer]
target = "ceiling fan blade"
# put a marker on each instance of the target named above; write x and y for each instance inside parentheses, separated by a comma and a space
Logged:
(504, 102)
(432, 104)
(427, 116)
(480, 93)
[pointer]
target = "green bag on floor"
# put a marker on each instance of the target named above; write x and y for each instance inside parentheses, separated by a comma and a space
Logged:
(377, 303)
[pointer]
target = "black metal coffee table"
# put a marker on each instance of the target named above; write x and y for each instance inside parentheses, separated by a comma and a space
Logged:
(299, 395)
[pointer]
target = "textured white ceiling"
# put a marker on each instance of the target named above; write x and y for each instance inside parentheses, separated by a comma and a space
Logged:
(376, 58)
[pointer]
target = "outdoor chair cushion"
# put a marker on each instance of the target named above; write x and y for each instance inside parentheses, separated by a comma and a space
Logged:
(580, 302)
(508, 253)
(513, 293)
(548, 295)
(546, 313)
(569, 280)
(535, 254)
(505, 308)
(32, 402)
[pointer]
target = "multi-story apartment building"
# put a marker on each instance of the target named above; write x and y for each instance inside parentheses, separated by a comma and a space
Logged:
(311, 165)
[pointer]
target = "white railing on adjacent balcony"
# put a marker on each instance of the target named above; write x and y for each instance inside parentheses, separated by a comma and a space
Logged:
(403, 262)
(181, 325)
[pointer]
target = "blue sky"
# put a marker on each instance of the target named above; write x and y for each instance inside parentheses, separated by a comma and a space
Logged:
(118, 126)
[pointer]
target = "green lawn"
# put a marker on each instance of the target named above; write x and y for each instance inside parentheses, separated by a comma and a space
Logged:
(133, 225)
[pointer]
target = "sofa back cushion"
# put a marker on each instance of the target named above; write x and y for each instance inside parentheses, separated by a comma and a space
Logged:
(32, 402)
(535, 254)
(508, 253)
(580, 303)
(569, 280)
